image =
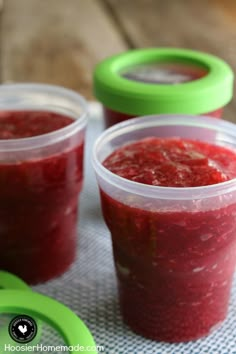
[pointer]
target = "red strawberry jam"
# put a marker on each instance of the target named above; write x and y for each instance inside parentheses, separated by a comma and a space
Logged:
(38, 208)
(112, 117)
(174, 268)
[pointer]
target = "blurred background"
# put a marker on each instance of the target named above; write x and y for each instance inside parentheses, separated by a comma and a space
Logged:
(60, 41)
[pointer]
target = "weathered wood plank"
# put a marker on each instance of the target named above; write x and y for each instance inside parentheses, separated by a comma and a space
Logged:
(56, 41)
(207, 25)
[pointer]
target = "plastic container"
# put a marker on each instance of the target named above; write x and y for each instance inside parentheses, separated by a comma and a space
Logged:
(174, 248)
(40, 181)
(162, 80)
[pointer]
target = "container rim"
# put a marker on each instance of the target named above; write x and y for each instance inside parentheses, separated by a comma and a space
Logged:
(157, 192)
(31, 96)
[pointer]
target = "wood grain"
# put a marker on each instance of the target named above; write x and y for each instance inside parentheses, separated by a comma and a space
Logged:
(206, 25)
(56, 41)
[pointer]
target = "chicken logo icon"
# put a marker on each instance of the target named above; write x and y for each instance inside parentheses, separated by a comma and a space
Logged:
(23, 329)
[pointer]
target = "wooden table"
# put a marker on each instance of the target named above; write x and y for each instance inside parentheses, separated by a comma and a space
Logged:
(60, 41)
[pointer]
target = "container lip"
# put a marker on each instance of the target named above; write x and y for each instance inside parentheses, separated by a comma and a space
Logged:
(157, 192)
(34, 89)
(206, 94)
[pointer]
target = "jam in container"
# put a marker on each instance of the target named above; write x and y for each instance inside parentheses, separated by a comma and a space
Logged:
(168, 195)
(160, 80)
(41, 173)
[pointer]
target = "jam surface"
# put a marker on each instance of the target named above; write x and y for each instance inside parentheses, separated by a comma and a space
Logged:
(173, 162)
(38, 200)
(15, 125)
(174, 268)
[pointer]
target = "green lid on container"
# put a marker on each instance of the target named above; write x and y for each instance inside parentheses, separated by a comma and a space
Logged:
(144, 81)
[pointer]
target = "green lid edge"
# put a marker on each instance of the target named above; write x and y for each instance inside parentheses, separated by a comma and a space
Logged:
(207, 94)
(11, 281)
(70, 326)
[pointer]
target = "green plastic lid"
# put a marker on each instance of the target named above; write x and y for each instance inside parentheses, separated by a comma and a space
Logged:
(162, 80)
(11, 281)
(70, 327)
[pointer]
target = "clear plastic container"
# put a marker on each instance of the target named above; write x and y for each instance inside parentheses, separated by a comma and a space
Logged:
(174, 248)
(112, 117)
(40, 181)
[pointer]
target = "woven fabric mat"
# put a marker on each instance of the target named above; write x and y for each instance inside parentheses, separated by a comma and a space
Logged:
(89, 288)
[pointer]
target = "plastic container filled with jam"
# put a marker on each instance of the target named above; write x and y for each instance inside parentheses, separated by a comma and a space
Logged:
(168, 195)
(42, 131)
(162, 81)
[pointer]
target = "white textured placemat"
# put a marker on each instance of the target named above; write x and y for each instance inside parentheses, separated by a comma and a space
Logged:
(89, 287)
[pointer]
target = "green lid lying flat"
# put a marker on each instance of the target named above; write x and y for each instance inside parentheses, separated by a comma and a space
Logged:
(11, 281)
(16, 299)
(120, 83)
(46, 310)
